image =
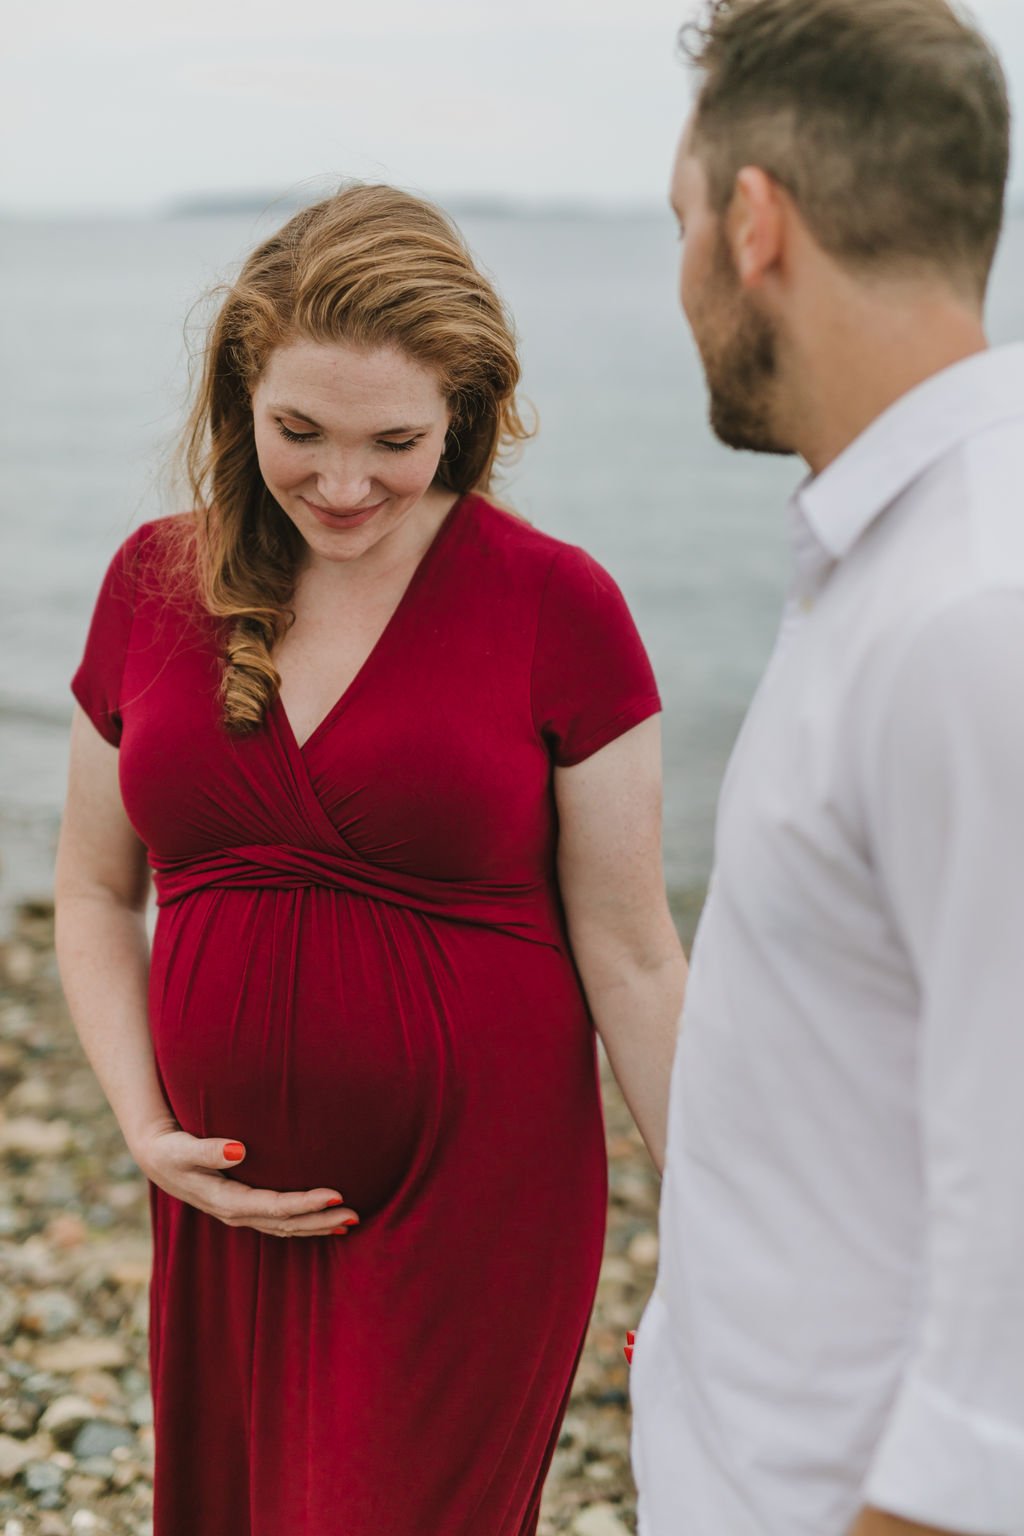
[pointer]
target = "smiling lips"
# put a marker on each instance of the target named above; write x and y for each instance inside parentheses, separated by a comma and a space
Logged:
(333, 519)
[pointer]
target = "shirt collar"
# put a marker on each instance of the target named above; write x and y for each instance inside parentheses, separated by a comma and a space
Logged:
(906, 440)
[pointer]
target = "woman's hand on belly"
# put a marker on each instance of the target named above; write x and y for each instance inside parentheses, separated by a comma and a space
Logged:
(193, 1168)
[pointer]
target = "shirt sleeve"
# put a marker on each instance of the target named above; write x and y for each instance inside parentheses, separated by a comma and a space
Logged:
(948, 839)
(592, 680)
(97, 683)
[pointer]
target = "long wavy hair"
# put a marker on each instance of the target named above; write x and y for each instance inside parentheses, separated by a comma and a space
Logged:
(371, 266)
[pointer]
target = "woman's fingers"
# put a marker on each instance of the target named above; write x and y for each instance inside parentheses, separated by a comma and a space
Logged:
(304, 1211)
(192, 1168)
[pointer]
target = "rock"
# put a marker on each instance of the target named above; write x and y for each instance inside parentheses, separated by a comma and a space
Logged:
(42, 1477)
(29, 1137)
(11, 1220)
(15, 1454)
(99, 1467)
(70, 1355)
(85, 1523)
(18, 1419)
(65, 1417)
(34, 1261)
(600, 1472)
(19, 964)
(14, 1528)
(565, 1464)
(616, 1271)
(10, 1311)
(32, 1096)
(66, 1231)
(15, 1021)
(140, 1410)
(100, 1387)
(50, 1312)
(598, 1520)
(81, 1487)
(643, 1250)
(53, 1525)
(99, 1438)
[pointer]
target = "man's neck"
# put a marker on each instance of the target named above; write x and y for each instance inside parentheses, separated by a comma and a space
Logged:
(857, 358)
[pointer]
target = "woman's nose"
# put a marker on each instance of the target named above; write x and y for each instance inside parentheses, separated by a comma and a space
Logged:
(344, 484)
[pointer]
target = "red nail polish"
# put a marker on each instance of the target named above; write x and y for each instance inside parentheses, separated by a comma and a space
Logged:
(335, 1202)
(631, 1337)
(627, 1350)
(234, 1151)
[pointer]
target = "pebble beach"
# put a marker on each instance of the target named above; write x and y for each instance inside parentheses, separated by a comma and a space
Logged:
(76, 1438)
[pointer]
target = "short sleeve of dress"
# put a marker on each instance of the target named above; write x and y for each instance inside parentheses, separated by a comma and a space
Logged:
(97, 683)
(592, 680)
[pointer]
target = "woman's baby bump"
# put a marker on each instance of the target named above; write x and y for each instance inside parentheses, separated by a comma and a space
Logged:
(319, 1041)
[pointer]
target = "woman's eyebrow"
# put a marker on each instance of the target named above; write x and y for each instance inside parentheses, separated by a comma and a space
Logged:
(287, 410)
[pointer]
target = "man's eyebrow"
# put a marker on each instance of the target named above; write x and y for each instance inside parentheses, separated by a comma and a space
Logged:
(288, 410)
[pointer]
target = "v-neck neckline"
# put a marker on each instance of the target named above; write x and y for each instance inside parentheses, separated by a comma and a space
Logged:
(419, 572)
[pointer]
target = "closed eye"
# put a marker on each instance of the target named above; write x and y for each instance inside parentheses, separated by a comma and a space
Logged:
(400, 447)
(296, 437)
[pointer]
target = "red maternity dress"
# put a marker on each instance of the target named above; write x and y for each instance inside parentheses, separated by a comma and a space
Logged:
(360, 970)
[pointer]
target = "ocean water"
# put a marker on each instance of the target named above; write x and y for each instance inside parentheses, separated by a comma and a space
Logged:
(94, 379)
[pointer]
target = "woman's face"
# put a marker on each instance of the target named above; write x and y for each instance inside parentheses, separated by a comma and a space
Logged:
(348, 441)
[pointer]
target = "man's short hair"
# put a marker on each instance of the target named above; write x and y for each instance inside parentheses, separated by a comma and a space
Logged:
(888, 122)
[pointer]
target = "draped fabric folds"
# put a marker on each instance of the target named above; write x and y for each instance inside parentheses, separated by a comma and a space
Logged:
(525, 910)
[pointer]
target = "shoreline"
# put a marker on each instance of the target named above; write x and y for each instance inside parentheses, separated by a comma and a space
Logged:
(76, 1440)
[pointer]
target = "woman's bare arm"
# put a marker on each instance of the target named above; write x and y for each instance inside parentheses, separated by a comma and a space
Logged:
(625, 943)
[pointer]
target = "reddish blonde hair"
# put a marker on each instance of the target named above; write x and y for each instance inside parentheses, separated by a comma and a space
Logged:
(371, 267)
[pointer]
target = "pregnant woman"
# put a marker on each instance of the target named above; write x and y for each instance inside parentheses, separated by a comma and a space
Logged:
(392, 757)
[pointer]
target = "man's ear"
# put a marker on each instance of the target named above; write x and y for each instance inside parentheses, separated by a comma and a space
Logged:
(755, 225)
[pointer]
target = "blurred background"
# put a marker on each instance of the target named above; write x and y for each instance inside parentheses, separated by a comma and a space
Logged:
(150, 146)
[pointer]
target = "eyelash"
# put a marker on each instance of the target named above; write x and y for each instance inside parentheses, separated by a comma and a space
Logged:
(308, 437)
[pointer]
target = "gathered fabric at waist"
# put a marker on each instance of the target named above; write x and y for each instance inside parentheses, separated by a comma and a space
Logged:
(528, 911)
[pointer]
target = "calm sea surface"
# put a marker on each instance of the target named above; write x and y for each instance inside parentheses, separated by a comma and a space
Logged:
(93, 384)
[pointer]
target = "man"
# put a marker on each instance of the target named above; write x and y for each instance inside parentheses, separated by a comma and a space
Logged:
(836, 1341)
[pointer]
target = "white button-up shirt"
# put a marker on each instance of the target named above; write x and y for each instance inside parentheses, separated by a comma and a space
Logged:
(839, 1314)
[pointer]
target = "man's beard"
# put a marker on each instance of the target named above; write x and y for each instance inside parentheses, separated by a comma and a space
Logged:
(739, 350)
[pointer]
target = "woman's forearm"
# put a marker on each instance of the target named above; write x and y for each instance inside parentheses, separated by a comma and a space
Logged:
(103, 955)
(636, 1007)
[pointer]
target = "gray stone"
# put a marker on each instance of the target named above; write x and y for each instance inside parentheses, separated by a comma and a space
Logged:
(42, 1477)
(98, 1438)
(50, 1312)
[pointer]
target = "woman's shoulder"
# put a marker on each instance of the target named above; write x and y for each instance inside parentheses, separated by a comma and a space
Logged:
(509, 537)
(155, 561)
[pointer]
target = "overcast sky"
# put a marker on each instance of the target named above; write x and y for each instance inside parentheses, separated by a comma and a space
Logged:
(124, 105)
